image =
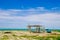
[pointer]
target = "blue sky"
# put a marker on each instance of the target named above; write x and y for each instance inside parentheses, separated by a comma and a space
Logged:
(18, 4)
(20, 13)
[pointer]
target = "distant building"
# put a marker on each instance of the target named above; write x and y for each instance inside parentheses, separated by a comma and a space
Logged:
(48, 30)
(38, 28)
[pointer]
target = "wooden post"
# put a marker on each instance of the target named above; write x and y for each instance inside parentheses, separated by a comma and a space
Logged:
(38, 29)
(29, 28)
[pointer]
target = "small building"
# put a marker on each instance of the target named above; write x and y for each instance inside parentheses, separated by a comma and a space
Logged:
(38, 28)
(48, 30)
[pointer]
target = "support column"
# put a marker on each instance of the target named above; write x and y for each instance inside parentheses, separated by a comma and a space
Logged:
(29, 28)
(38, 29)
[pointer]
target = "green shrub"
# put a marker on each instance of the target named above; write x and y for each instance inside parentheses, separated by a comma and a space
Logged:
(5, 37)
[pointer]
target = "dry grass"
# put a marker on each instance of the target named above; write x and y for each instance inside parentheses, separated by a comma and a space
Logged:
(21, 35)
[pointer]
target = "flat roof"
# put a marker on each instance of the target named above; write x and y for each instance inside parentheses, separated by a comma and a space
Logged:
(34, 26)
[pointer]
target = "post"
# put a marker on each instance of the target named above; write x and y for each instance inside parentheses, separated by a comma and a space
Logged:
(38, 29)
(29, 28)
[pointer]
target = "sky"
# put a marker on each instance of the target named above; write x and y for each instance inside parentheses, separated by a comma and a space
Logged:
(17, 14)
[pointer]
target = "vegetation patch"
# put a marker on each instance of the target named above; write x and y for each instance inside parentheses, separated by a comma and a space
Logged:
(5, 37)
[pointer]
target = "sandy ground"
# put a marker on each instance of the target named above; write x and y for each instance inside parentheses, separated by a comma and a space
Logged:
(22, 33)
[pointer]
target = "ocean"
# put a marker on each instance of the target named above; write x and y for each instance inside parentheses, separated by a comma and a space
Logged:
(13, 29)
(26, 30)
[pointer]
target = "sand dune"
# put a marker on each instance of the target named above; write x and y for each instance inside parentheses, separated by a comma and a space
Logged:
(24, 35)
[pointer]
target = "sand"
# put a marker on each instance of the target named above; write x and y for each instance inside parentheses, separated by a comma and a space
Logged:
(22, 35)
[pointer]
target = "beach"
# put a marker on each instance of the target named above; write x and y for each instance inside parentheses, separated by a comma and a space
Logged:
(26, 35)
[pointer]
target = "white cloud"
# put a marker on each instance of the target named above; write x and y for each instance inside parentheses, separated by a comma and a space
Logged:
(12, 17)
(42, 17)
(11, 12)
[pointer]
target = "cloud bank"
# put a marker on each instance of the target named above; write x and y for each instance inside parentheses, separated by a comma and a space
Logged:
(20, 18)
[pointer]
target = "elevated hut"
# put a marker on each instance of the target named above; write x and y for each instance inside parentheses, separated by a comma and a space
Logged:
(38, 28)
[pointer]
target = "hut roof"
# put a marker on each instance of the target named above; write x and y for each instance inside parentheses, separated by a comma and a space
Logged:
(34, 26)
